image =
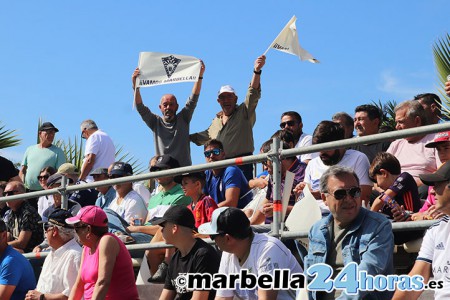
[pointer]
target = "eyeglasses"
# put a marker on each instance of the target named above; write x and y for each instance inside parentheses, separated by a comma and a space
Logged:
(226, 96)
(44, 177)
(10, 193)
(78, 228)
(340, 194)
(82, 133)
(215, 151)
(213, 237)
(47, 228)
(288, 123)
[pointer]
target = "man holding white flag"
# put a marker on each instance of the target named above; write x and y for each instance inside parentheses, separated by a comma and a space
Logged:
(287, 41)
(237, 135)
(171, 131)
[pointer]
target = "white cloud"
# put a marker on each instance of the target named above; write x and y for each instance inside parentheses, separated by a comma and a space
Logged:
(402, 87)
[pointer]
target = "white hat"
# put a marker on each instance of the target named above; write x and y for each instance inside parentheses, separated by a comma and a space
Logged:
(210, 228)
(226, 89)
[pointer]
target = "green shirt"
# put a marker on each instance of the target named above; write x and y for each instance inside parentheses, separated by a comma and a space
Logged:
(174, 196)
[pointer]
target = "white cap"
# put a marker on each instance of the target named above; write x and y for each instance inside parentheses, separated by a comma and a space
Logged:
(226, 89)
(210, 228)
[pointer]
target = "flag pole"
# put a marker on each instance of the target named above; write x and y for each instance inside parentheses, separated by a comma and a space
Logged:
(271, 44)
(135, 83)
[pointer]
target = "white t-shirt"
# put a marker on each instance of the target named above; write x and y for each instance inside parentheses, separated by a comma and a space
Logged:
(100, 144)
(60, 269)
(143, 191)
(44, 202)
(353, 159)
(130, 207)
(435, 250)
(304, 141)
(266, 254)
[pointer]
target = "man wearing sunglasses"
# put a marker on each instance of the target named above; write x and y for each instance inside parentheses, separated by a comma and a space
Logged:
(61, 266)
(292, 121)
(227, 186)
(233, 125)
(24, 232)
(349, 233)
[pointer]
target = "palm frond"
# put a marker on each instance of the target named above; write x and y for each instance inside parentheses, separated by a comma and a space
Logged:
(8, 137)
(441, 53)
(388, 114)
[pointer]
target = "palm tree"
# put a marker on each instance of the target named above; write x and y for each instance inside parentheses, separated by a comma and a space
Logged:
(441, 52)
(8, 138)
(388, 114)
(73, 149)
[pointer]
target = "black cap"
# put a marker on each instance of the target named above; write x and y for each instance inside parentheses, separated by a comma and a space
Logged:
(47, 126)
(58, 217)
(196, 175)
(121, 168)
(177, 214)
(164, 162)
(99, 171)
(442, 174)
(56, 178)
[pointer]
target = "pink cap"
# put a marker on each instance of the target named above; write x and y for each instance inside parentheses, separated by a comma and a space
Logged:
(440, 137)
(91, 215)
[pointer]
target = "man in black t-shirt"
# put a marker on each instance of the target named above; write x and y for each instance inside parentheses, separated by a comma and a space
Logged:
(193, 255)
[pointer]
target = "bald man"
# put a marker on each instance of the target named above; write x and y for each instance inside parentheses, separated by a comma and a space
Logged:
(171, 131)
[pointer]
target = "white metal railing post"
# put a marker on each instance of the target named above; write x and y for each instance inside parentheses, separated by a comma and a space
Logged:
(276, 191)
(63, 192)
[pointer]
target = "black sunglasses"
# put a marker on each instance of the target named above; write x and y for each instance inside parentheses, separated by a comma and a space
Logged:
(43, 177)
(340, 194)
(80, 227)
(288, 123)
(10, 193)
(213, 237)
(215, 151)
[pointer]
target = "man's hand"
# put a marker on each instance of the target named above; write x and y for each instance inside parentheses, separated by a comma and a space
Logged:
(202, 68)
(32, 295)
(267, 210)
(136, 73)
(298, 189)
(399, 214)
(259, 63)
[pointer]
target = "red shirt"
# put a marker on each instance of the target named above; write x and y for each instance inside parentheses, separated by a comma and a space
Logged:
(203, 209)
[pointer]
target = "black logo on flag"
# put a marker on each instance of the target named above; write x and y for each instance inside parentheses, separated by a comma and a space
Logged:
(170, 64)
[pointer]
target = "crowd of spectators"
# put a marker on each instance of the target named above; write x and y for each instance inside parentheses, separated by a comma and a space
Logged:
(360, 191)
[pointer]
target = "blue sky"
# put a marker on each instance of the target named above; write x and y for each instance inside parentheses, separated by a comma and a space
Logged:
(69, 61)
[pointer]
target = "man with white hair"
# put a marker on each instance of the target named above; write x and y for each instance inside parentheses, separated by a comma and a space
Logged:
(233, 125)
(99, 151)
(61, 266)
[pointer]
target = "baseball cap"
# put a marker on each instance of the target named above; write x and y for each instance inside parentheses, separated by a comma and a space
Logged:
(196, 175)
(121, 168)
(58, 217)
(68, 168)
(47, 126)
(442, 174)
(56, 178)
(91, 215)
(226, 89)
(165, 162)
(99, 171)
(177, 214)
(230, 220)
(440, 137)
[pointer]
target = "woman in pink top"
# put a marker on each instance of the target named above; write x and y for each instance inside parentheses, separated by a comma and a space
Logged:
(106, 270)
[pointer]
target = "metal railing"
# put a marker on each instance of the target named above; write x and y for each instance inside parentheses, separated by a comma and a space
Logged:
(275, 155)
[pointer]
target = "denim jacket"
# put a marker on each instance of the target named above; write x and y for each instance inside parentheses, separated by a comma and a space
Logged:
(369, 242)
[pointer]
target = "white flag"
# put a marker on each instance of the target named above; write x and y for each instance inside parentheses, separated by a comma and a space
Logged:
(162, 68)
(287, 41)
